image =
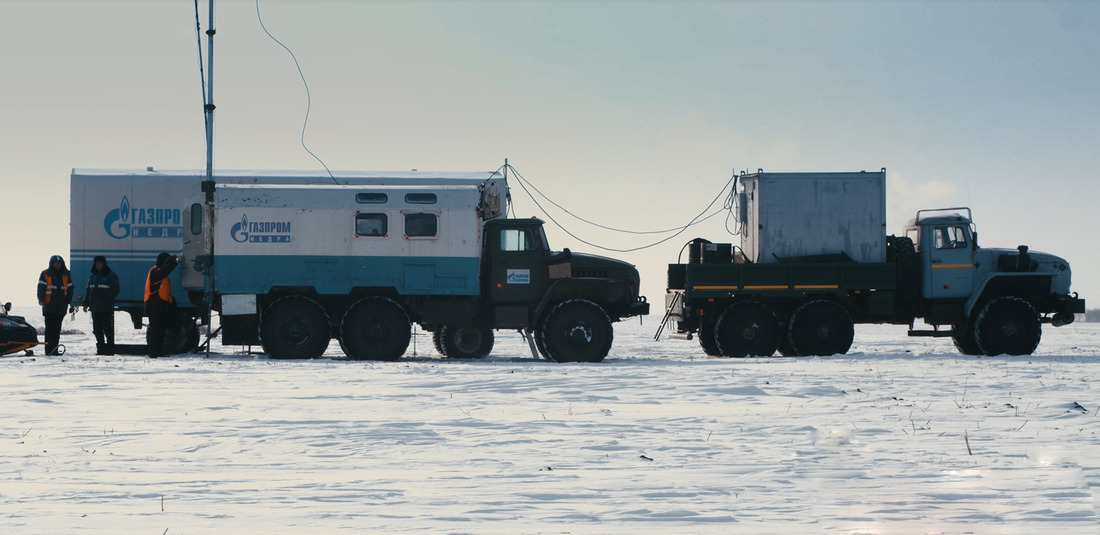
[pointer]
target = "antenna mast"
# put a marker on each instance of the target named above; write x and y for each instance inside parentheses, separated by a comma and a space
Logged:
(208, 107)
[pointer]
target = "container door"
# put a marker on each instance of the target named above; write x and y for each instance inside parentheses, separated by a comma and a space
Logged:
(195, 247)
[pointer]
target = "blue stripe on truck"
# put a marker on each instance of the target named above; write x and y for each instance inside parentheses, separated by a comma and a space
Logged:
(337, 275)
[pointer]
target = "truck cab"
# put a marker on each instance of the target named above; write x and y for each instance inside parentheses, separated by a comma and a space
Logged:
(994, 300)
(948, 245)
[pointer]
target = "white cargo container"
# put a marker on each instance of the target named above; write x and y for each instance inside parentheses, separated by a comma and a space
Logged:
(786, 216)
(130, 216)
(416, 240)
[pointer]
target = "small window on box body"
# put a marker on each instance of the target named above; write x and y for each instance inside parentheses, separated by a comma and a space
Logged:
(421, 225)
(196, 219)
(371, 225)
(371, 198)
(420, 198)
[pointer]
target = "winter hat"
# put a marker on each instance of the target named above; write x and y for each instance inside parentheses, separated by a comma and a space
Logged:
(56, 258)
(99, 258)
(162, 258)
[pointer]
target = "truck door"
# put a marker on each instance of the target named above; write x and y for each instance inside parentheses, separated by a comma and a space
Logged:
(950, 253)
(196, 241)
(517, 271)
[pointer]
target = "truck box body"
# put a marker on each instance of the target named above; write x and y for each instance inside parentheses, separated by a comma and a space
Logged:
(795, 215)
(418, 240)
(130, 216)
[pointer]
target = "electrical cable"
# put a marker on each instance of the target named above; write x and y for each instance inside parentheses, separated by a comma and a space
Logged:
(699, 218)
(593, 223)
(562, 208)
(679, 230)
(306, 85)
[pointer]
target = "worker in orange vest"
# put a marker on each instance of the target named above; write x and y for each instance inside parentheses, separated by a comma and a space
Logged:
(159, 305)
(55, 296)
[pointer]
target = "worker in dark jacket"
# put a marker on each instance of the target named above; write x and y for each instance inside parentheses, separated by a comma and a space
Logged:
(99, 296)
(55, 296)
(159, 304)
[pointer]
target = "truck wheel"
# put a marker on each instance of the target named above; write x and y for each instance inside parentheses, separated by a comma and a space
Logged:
(294, 327)
(438, 342)
(785, 347)
(1008, 325)
(181, 336)
(375, 328)
(707, 341)
(821, 328)
(967, 344)
(466, 342)
(747, 329)
(576, 330)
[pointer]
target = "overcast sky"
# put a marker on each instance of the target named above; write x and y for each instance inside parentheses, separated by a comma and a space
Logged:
(630, 114)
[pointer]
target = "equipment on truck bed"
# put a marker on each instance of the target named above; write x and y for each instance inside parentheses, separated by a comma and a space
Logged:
(814, 260)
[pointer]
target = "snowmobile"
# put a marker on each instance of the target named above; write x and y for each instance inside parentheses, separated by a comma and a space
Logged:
(15, 333)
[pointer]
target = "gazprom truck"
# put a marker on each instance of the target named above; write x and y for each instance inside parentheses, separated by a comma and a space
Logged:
(130, 216)
(290, 267)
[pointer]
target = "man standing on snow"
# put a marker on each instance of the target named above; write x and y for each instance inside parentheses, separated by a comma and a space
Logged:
(55, 295)
(99, 296)
(158, 302)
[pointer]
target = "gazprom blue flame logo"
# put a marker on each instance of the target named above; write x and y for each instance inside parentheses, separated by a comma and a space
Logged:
(239, 232)
(128, 221)
(117, 221)
(260, 231)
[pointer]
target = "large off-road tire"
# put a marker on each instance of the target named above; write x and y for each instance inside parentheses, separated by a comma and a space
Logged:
(706, 339)
(785, 347)
(466, 342)
(821, 327)
(967, 344)
(437, 341)
(294, 327)
(375, 328)
(747, 329)
(541, 347)
(1008, 326)
(576, 330)
(181, 335)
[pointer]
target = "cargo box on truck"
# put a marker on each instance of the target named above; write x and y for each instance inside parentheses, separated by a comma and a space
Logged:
(131, 216)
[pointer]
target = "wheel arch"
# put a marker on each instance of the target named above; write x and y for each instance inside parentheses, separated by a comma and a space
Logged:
(1031, 287)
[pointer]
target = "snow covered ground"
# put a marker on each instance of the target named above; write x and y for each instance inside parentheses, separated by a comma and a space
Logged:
(902, 435)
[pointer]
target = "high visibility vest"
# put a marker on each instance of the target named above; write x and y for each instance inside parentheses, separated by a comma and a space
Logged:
(163, 287)
(50, 285)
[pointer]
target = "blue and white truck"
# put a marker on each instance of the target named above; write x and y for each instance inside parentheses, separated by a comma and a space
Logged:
(290, 267)
(130, 216)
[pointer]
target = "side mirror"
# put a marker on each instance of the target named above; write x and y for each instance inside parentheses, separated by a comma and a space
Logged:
(7, 307)
(974, 241)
